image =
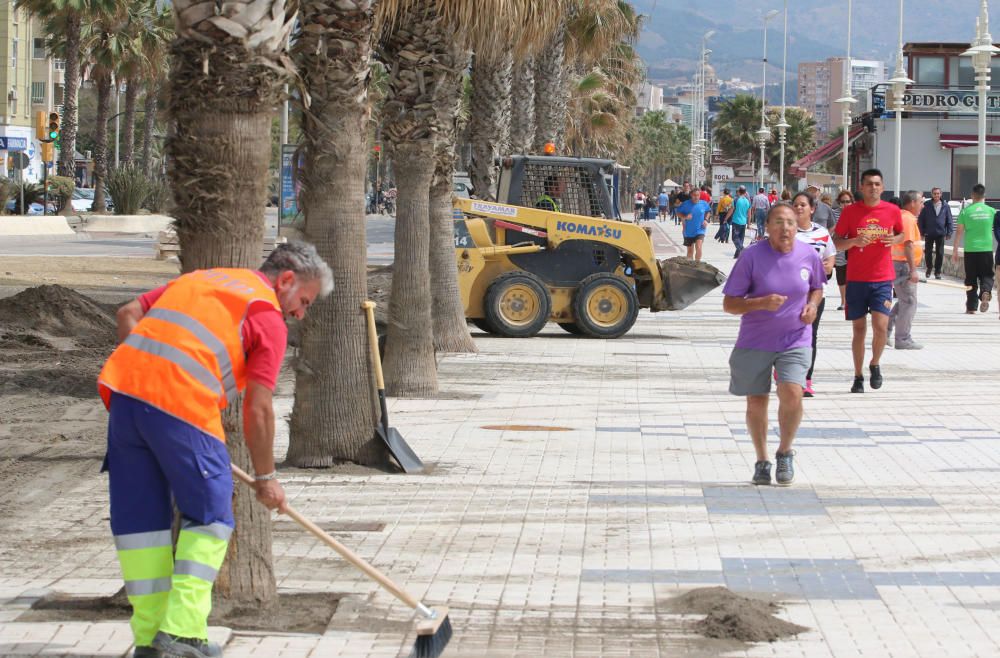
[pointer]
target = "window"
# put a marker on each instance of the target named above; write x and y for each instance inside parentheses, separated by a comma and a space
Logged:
(39, 51)
(59, 64)
(965, 172)
(38, 93)
(928, 70)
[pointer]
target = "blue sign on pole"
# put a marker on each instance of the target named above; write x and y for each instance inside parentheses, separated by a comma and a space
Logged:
(288, 198)
(13, 143)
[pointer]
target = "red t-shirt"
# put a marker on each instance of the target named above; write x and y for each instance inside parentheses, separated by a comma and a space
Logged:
(706, 197)
(265, 337)
(874, 262)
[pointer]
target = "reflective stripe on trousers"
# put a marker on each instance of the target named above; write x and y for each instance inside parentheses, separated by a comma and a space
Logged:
(199, 556)
(147, 564)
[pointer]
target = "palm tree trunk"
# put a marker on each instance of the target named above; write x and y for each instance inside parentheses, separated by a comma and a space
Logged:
(222, 102)
(128, 134)
(551, 93)
(489, 124)
(148, 127)
(451, 332)
(335, 411)
(101, 141)
(410, 367)
(522, 117)
(71, 84)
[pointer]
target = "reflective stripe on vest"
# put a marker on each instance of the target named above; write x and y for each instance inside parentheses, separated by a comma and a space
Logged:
(206, 337)
(177, 357)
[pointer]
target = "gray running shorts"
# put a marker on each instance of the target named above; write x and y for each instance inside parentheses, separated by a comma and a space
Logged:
(750, 370)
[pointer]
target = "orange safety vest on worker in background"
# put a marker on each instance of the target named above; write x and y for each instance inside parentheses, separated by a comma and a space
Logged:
(185, 356)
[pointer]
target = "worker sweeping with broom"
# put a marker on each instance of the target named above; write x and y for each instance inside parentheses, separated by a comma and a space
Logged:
(186, 350)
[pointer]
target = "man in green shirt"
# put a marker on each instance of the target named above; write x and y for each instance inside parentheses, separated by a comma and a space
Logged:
(975, 225)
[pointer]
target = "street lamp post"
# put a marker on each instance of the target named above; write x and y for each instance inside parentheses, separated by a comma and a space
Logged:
(847, 99)
(982, 51)
(899, 82)
(783, 125)
(703, 108)
(764, 133)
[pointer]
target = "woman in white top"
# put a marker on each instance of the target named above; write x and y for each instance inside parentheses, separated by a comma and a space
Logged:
(819, 239)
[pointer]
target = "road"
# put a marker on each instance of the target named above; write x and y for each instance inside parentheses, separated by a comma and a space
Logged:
(379, 232)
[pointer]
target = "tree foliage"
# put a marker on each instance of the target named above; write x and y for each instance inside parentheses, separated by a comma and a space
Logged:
(659, 149)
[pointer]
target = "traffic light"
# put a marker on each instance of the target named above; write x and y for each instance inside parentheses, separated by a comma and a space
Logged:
(48, 152)
(53, 131)
(41, 125)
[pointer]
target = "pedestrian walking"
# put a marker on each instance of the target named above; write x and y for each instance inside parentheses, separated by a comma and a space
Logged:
(741, 215)
(638, 205)
(760, 204)
(975, 235)
(823, 214)
(725, 212)
(187, 350)
(817, 237)
(906, 258)
(663, 201)
(650, 207)
(694, 212)
(776, 287)
(936, 225)
(772, 196)
(868, 228)
(844, 199)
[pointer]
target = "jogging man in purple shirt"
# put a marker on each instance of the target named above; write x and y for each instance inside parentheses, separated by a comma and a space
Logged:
(776, 287)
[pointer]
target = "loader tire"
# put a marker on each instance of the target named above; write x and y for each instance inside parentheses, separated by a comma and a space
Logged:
(605, 306)
(482, 325)
(517, 305)
(571, 327)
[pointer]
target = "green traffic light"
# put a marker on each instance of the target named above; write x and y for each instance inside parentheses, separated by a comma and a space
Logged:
(53, 134)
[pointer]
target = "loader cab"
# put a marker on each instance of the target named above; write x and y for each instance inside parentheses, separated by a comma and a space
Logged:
(584, 183)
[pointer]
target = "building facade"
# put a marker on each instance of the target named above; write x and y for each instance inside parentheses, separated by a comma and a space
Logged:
(649, 98)
(820, 84)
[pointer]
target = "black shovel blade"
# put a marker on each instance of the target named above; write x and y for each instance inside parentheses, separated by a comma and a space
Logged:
(400, 450)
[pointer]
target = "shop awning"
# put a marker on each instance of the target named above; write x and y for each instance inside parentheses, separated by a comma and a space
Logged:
(963, 141)
(829, 150)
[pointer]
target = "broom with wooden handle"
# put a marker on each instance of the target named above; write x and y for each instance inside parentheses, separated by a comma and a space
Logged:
(433, 628)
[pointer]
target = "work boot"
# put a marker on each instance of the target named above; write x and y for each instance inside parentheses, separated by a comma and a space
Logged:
(876, 378)
(146, 652)
(762, 473)
(784, 475)
(171, 646)
(984, 301)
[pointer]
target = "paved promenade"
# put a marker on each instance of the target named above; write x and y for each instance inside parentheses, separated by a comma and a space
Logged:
(627, 484)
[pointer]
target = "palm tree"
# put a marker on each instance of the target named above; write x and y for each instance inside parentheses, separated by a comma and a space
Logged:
(800, 137)
(551, 92)
(225, 84)
(63, 20)
(149, 30)
(522, 115)
(108, 41)
(736, 125)
(154, 77)
(334, 410)
(490, 120)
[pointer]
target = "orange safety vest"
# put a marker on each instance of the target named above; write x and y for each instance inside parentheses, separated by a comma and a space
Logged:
(185, 357)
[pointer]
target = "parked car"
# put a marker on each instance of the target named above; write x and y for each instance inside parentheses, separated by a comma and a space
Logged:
(463, 184)
(83, 199)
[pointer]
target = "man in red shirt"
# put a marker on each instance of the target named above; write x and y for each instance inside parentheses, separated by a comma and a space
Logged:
(869, 228)
(186, 350)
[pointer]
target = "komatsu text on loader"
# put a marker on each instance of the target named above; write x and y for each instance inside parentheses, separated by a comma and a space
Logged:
(551, 250)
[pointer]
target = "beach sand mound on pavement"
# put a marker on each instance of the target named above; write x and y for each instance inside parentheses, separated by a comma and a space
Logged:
(53, 340)
(729, 616)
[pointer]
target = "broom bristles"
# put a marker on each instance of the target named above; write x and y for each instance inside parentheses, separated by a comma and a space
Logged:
(432, 645)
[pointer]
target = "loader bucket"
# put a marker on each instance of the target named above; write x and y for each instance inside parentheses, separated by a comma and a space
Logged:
(685, 281)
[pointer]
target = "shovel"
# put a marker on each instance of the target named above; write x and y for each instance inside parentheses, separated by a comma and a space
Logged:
(392, 439)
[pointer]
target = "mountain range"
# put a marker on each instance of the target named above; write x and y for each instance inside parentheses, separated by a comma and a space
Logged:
(671, 37)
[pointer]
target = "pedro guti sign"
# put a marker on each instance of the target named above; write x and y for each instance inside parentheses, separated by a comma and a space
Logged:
(950, 101)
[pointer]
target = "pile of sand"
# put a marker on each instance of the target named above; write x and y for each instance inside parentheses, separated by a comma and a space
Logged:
(53, 340)
(729, 616)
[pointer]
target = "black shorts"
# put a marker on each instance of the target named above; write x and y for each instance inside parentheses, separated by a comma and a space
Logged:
(690, 241)
(841, 271)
